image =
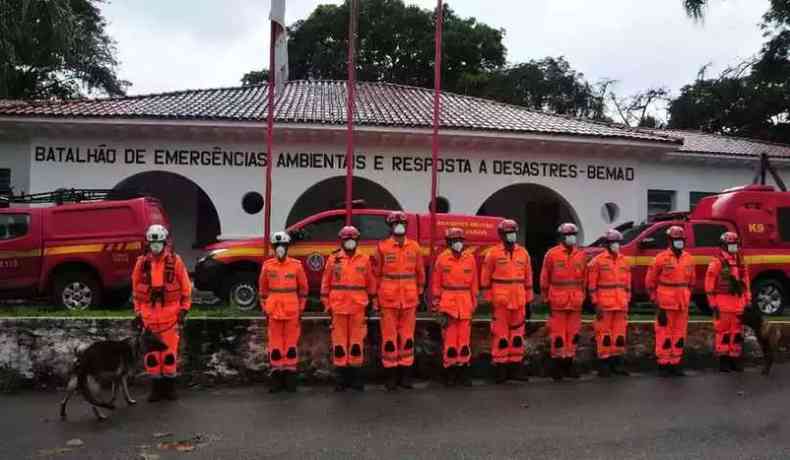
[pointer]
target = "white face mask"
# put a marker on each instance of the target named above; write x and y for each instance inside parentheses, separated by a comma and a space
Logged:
(349, 245)
(511, 237)
(458, 246)
(157, 247)
(678, 244)
(281, 251)
(570, 240)
(614, 247)
(399, 229)
(732, 248)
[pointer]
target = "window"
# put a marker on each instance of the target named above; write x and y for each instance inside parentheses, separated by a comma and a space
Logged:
(707, 235)
(783, 216)
(694, 198)
(14, 226)
(5, 180)
(659, 201)
(372, 227)
(657, 239)
(323, 230)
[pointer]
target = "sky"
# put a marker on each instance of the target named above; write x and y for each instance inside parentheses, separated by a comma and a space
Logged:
(190, 44)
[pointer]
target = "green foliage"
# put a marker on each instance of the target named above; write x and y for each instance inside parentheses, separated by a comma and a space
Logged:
(255, 77)
(54, 49)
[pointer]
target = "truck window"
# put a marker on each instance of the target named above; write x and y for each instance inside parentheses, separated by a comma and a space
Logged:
(707, 235)
(372, 227)
(325, 229)
(783, 218)
(659, 237)
(14, 226)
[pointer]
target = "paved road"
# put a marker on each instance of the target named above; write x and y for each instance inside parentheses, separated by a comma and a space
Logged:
(704, 416)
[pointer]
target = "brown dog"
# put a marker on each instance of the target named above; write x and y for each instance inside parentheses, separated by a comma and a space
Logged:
(768, 335)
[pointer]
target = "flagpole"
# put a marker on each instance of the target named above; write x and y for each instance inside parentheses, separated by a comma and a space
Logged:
(267, 201)
(437, 92)
(350, 90)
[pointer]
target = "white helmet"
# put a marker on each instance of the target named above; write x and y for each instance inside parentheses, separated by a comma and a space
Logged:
(156, 233)
(281, 238)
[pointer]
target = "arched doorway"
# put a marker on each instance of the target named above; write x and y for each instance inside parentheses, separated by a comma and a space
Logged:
(538, 210)
(193, 217)
(331, 194)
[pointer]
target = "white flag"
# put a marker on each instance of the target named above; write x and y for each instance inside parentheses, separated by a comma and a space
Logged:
(277, 15)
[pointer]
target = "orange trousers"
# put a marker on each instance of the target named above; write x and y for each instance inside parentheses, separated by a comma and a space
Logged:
(283, 342)
(729, 335)
(564, 326)
(671, 328)
(163, 363)
(507, 335)
(397, 336)
(348, 339)
(610, 333)
(457, 337)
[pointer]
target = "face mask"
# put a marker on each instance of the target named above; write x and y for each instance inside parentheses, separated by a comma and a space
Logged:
(349, 245)
(399, 229)
(614, 247)
(157, 247)
(458, 246)
(732, 248)
(511, 237)
(281, 251)
(570, 240)
(678, 244)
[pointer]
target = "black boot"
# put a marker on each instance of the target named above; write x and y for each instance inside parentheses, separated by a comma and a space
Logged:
(556, 370)
(277, 382)
(618, 366)
(169, 388)
(451, 376)
(392, 378)
(515, 371)
(404, 377)
(341, 379)
(463, 377)
(676, 370)
(356, 380)
(290, 381)
(724, 364)
(736, 364)
(570, 369)
(604, 367)
(500, 373)
(156, 390)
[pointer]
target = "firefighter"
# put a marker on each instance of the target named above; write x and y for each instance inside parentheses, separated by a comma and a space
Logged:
(562, 281)
(609, 284)
(728, 292)
(455, 288)
(669, 281)
(347, 287)
(400, 278)
(162, 298)
(506, 282)
(283, 293)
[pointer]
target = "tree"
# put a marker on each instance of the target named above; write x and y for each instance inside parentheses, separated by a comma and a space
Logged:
(255, 77)
(55, 49)
(639, 110)
(396, 45)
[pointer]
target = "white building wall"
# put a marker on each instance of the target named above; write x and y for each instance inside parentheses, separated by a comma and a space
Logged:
(15, 155)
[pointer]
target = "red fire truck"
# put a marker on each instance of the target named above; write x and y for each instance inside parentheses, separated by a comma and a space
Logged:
(230, 268)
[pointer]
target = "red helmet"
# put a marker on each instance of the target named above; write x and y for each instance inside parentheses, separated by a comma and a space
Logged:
(454, 233)
(396, 217)
(729, 238)
(507, 226)
(348, 233)
(676, 232)
(613, 236)
(568, 228)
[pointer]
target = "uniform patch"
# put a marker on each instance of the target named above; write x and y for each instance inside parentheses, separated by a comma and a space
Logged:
(315, 262)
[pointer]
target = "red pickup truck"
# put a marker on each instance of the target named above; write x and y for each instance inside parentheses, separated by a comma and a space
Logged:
(758, 213)
(230, 268)
(82, 254)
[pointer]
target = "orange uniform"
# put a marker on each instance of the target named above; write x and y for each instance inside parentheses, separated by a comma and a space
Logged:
(562, 281)
(727, 287)
(609, 284)
(670, 280)
(162, 289)
(400, 276)
(283, 293)
(346, 288)
(455, 288)
(506, 281)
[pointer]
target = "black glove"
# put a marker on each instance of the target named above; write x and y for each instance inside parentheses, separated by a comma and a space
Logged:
(137, 323)
(662, 318)
(182, 316)
(716, 313)
(527, 313)
(442, 320)
(598, 314)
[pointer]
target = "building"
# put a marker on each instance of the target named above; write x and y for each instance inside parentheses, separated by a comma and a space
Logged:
(202, 152)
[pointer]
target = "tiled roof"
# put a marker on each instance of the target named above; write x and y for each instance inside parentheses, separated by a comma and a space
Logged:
(323, 102)
(717, 144)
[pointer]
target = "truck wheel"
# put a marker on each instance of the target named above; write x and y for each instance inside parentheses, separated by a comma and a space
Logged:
(77, 291)
(242, 291)
(769, 296)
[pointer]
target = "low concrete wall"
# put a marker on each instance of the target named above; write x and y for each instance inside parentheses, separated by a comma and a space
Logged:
(39, 351)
